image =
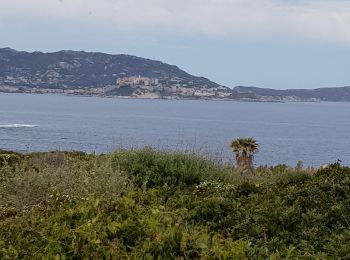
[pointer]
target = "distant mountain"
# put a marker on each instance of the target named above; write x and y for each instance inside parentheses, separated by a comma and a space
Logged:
(100, 74)
(319, 94)
(94, 73)
(78, 69)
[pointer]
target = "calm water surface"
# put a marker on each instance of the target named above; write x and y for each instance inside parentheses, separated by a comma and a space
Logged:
(315, 133)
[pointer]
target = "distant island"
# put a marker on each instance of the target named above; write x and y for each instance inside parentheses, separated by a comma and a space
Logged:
(100, 74)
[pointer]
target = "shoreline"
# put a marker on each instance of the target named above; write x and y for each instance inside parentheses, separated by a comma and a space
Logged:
(174, 98)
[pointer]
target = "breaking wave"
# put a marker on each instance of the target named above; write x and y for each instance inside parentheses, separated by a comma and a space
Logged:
(17, 126)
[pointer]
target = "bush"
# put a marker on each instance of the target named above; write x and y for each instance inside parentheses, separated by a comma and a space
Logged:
(40, 176)
(293, 178)
(150, 168)
(148, 204)
(8, 159)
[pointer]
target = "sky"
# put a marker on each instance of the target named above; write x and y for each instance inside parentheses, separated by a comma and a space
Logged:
(264, 43)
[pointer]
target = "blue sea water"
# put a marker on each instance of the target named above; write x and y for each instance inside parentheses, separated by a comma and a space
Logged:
(316, 133)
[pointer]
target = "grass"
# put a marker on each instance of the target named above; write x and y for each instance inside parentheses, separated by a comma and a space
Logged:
(150, 204)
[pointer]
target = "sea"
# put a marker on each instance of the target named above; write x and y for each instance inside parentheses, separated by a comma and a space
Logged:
(315, 133)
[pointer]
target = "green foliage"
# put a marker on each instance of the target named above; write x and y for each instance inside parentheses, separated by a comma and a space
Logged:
(244, 150)
(40, 176)
(150, 168)
(147, 204)
(9, 159)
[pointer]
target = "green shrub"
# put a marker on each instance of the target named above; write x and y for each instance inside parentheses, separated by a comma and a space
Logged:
(148, 204)
(152, 168)
(210, 210)
(43, 175)
(293, 178)
(8, 159)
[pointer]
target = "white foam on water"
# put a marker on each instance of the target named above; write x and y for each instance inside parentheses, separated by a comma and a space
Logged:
(17, 126)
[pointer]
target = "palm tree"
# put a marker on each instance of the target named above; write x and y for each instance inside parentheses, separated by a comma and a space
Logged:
(244, 150)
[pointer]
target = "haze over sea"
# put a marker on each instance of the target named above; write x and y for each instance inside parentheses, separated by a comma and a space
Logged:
(316, 133)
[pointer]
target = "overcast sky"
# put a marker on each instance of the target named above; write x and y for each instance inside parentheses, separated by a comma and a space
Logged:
(265, 43)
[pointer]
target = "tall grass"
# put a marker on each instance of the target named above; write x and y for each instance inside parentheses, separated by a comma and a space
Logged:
(42, 175)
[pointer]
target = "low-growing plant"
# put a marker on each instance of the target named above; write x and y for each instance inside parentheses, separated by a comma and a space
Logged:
(43, 175)
(150, 168)
(147, 204)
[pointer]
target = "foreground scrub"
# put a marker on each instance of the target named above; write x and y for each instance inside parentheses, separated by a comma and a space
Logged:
(160, 205)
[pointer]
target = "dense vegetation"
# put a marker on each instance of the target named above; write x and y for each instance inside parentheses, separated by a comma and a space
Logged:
(160, 205)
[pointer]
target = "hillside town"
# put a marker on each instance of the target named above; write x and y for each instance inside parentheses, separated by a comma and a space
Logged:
(136, 87)
(144, 87)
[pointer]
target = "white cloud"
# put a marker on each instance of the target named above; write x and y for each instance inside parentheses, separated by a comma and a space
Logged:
(321, 20)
